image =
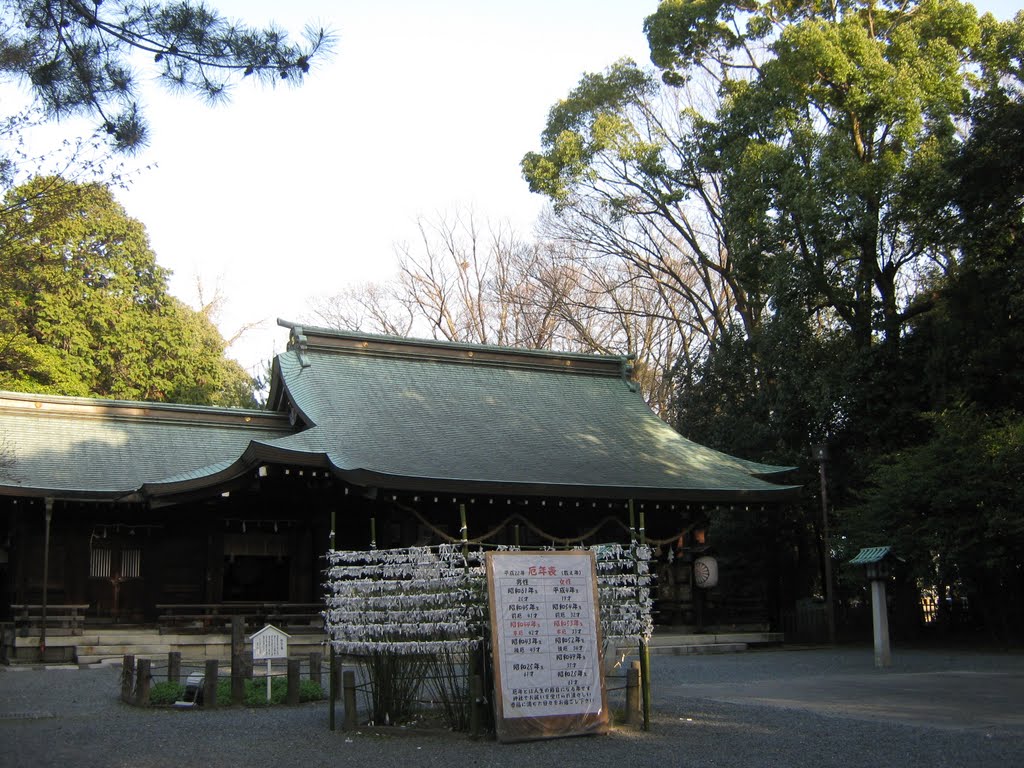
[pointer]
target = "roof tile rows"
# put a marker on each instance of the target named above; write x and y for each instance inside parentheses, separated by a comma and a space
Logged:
(390, 412)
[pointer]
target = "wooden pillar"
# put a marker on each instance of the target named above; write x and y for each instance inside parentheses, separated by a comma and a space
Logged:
(174, 667)
(634, 714)
(476, 696)
(294, 676)
(316, 661)
(237, 660)
(332, 688)
(143, 679)
(215, 567)
(127, 677)
(210, 684)
(350, 699)
(46, 577)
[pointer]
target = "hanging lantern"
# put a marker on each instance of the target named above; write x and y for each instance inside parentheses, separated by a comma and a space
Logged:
(705, 572)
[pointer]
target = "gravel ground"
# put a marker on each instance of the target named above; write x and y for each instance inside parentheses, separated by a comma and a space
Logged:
(802, 708)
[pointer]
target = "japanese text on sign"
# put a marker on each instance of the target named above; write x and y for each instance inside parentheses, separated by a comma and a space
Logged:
(545, 624)
(270, 643)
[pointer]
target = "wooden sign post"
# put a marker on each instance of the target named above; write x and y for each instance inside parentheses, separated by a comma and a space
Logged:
(546, 636)
(269, 643)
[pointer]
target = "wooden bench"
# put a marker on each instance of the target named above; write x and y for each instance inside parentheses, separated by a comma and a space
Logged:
(61, 618)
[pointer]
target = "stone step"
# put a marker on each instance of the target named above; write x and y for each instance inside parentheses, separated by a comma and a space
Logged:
(678, 644)
(682, 650)
(712, 638)
(108, 646)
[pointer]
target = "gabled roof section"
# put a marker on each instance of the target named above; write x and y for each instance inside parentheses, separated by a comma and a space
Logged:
(870, 555)
(71, 447)
(387, 412)
(418, 414)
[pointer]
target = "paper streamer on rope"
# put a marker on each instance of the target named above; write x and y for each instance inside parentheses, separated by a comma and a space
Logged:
(427, 600)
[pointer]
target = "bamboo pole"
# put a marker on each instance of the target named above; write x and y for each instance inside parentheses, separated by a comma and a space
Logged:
(464, 531)
(645, 652)
(332, 683)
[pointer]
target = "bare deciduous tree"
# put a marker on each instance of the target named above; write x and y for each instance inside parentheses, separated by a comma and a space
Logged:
(485, 285)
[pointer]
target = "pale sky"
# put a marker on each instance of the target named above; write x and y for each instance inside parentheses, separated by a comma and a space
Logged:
(426, 107)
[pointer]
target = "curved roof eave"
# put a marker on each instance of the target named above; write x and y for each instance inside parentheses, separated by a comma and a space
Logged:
(769, 470)
(70, 494)
(259, 452)
(256, 453)
(369, 478)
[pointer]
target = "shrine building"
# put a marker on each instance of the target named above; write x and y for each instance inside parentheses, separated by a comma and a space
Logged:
(136, 510)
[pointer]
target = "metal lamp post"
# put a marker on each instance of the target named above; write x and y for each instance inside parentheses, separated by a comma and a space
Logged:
(821, 454)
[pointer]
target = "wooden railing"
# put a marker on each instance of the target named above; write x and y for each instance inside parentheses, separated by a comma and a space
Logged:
(61, 619)
(217, 616)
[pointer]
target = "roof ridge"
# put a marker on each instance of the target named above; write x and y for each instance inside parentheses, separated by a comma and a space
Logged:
(89, 407)
(304, 338)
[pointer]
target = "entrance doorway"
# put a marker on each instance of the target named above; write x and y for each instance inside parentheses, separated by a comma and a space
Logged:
(255, 578)
(116, 587)
(257, 568)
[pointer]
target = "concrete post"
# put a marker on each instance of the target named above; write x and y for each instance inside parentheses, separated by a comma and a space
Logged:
(880, 622)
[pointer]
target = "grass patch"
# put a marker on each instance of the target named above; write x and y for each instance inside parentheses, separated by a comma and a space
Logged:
(256, 691)
(166, 693)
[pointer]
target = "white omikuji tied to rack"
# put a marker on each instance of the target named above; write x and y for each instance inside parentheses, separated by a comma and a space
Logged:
(428, 600)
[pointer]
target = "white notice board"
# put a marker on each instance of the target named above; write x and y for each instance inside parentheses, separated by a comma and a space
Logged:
(546, 636)
(270, 643)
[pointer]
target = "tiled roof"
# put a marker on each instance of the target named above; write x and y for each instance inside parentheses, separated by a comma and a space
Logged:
(416, 414)
(389, 412)
(870, 555)
(80, 447)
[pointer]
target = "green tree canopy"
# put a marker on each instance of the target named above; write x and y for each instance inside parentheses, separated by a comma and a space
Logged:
(851, 172)
(84, 308)
(831, 119)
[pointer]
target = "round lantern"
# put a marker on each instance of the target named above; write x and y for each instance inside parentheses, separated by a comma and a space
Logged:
(705, 572)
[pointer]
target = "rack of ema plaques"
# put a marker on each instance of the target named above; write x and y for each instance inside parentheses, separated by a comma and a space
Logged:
(546, 637)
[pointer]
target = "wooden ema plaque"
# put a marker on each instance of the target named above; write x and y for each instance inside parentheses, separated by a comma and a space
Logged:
(546, 636)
